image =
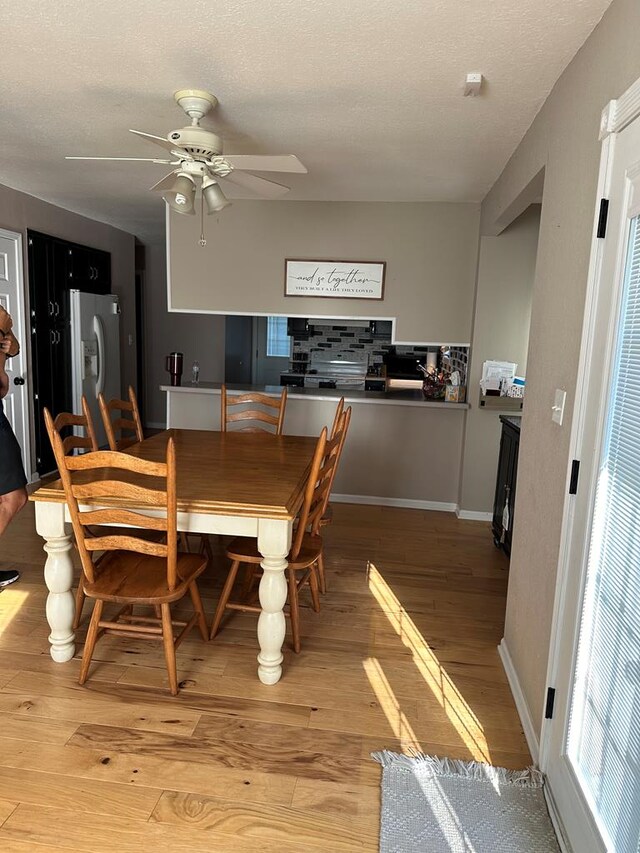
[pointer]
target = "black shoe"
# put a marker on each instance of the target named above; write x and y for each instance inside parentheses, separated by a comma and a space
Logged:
(9, 576)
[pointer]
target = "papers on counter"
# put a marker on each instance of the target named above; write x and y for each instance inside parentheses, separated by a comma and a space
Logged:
(498, 376)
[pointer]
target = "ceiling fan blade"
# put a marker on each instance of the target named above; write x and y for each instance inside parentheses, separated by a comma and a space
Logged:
(266, 162)
(260, 186)
(166, 183)
(137, 159)
(159, 140)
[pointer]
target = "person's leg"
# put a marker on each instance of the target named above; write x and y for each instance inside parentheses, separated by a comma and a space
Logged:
(10, 506)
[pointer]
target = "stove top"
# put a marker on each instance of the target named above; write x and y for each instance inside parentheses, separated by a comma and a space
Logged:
(337, 369)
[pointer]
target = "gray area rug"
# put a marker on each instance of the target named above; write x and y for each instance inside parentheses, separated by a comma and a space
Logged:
(443, 806)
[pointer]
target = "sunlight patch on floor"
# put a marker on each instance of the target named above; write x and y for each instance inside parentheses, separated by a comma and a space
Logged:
(458, 712)
(398, 722)
(11, 603)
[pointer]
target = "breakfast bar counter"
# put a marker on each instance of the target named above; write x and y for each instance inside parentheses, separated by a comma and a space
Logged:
(397, 397)
(402, 450)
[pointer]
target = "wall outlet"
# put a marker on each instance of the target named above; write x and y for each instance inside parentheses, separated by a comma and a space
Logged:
(557, 410)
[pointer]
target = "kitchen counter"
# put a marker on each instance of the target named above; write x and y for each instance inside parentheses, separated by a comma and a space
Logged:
(402, 450)
(400, 397)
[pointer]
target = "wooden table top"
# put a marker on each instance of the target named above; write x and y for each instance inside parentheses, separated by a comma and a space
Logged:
(232, 473)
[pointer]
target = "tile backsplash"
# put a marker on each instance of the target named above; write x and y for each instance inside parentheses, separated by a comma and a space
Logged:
(339, 337)
(375, 344)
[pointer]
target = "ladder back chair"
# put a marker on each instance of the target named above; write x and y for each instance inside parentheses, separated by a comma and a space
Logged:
(270, 412)
(306, 549)
(339, 430)
(130, 428)
(130, 570)
(71, 442)
(130, 433)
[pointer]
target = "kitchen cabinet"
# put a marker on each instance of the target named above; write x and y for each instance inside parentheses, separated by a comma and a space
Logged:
(56, 266)
(298, 327)
(505, 494)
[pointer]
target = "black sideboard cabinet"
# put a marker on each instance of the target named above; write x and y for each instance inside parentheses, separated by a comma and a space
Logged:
(506, 481)
(55, 267)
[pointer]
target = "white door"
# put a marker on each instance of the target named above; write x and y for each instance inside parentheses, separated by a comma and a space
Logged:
(95, 352)
(16, 403)
(591, 746)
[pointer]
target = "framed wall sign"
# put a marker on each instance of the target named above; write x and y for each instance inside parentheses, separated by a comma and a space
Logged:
(343, 279)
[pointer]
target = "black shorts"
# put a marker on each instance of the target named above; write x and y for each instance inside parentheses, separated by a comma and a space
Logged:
(12, 476)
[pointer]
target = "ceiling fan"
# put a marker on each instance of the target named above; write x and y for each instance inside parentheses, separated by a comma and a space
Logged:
(198, 160)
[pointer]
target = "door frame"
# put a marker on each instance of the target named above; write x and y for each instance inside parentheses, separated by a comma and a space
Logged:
(616, 116)
(25, 347)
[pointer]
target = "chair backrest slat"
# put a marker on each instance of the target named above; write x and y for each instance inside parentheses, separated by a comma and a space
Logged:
(310, 516)
(105, 476)
(73, 440)
(273, 416)
(312, 482)
(336, 417)
(121, 424)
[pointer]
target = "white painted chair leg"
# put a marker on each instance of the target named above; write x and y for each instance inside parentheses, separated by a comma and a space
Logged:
(58, 575)
(274, 542)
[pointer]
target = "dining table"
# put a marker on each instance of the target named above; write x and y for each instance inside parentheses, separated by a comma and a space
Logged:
(232, 483)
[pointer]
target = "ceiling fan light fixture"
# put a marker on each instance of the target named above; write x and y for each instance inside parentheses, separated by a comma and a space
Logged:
(181, 196)
(215, 199)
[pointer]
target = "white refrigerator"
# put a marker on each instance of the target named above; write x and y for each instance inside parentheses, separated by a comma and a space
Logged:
(95, 352)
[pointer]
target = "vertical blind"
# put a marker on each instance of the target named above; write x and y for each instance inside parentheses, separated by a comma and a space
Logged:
(604, 732)
(278, 342)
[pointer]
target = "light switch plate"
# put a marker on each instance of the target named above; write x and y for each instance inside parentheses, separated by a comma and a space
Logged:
(557, 410)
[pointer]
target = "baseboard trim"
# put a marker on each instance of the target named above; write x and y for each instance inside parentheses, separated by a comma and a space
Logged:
(472, 515)
(156, 424)
(556, 820)
(521, 703)
(375, 500)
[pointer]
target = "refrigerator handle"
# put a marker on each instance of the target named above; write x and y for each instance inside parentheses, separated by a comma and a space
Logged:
(99, 333)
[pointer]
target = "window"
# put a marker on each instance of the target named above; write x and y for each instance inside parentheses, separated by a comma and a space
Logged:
(278, 341)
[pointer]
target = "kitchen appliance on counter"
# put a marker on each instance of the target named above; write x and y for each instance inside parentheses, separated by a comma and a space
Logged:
(403, 370)
(173, 363)
(340, 369)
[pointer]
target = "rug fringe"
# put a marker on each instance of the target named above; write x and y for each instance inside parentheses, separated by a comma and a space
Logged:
(530, 777)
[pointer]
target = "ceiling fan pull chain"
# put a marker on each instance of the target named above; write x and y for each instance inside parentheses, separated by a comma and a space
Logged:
(202, 241)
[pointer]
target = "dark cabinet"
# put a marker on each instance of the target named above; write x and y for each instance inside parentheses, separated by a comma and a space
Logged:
(506, 482)
(88, 269)
(381, 328)
(298, 327)
(55, 267)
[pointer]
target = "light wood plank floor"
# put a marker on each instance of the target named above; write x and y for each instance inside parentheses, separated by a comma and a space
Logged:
(403, 655)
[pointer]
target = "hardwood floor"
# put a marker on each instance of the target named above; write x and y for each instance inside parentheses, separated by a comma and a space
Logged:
(403, 655)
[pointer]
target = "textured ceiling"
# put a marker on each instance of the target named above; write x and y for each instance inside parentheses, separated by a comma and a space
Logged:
(368, 93)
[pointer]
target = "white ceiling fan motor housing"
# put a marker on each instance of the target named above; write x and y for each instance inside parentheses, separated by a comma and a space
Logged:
(197, 141)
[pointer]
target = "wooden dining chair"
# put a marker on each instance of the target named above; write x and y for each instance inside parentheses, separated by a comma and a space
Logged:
(71, 442)
(130, 571)
(305, 551)
(328, 516)
(340, 428)
(127, 424)
(129, 428)
(68, 425)
(270, 412)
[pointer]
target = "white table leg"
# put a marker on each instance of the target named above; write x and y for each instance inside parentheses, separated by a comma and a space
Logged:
(58, 575)
(274, 542)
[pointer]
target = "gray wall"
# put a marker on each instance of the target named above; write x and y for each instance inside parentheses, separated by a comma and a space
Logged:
(19, 211)
(430, 250)
(504, 293)
(199, 336)
(563, 139)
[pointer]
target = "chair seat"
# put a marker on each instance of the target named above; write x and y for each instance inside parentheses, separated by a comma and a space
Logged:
(127, 576)
(244, 549)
